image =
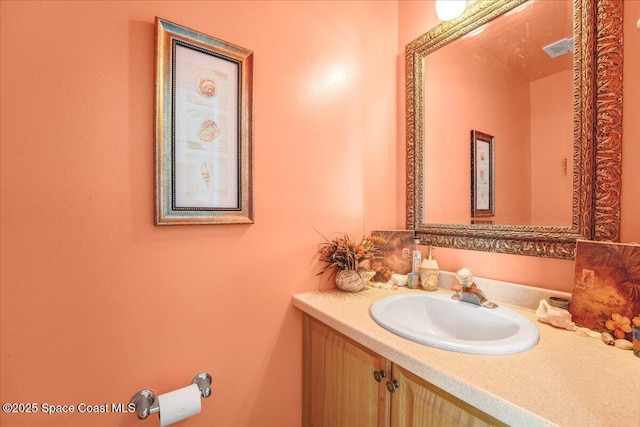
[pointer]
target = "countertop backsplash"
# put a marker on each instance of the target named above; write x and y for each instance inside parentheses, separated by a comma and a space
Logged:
(506, 292)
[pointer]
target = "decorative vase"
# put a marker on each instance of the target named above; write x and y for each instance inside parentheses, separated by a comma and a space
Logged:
(352, 280)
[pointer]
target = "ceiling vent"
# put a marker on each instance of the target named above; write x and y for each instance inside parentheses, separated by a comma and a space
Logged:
(559, 48)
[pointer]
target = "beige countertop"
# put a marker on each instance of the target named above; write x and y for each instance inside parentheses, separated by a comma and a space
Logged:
(565, 380)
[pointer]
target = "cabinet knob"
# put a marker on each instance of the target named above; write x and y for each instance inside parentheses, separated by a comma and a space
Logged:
(379, 375)
(392, 385)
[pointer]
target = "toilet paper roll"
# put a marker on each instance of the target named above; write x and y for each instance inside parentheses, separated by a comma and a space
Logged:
(179, 404)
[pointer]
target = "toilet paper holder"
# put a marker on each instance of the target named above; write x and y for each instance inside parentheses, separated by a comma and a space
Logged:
(145, 401)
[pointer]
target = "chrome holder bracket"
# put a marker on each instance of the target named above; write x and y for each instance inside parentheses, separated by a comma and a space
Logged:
(146, 402)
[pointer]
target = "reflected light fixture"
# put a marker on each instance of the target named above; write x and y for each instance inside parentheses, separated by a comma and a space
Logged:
(450, 9)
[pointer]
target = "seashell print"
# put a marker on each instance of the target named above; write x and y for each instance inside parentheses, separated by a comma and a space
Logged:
(204, 171)
(206, 86)
(208, 131)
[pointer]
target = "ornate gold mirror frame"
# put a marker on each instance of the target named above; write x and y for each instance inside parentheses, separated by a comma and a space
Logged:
(597, 136)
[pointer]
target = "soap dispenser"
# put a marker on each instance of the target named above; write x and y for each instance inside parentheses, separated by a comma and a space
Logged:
(429, 272)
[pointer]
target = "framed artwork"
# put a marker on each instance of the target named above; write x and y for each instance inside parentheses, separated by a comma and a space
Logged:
(203, 129)
(606, 287)
(396, 254)
(482, 174)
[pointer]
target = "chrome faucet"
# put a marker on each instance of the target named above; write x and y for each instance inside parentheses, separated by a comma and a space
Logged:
(467, 291)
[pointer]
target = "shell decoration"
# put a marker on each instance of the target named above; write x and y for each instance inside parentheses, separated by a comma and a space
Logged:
(208, 131)
(607, 338)
(623, 344)
(350, 280)
(586, 332)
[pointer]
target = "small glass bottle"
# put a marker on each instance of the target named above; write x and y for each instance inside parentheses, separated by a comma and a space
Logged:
(416, 256)
(416, 259)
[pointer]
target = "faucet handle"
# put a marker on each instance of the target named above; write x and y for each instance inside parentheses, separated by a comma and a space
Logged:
(468, 291)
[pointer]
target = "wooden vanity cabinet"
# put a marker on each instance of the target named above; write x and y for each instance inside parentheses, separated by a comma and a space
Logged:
(348, 385)
(338, 384)
(417, 402)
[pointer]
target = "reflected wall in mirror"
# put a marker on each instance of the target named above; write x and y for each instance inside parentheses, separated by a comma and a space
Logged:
(498, 78)
(557, 178)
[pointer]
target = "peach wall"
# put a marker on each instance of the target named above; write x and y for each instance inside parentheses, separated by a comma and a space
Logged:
(89, 288)
(455, 105)
(552, 149)
(97, 302)
(417, 17)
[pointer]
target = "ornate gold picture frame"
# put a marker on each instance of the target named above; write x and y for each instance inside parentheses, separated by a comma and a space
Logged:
(482, 174)
(204, 129)
(597, 128)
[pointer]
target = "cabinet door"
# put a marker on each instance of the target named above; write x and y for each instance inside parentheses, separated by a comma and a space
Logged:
(415, 402)
(339, 389)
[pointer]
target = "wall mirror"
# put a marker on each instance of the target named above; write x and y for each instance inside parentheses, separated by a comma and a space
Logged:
(544, 79)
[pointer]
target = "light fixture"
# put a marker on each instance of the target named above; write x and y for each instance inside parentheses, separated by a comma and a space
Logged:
(450, 9)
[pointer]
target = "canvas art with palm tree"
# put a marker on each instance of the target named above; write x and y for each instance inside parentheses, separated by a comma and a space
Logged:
(606, 287)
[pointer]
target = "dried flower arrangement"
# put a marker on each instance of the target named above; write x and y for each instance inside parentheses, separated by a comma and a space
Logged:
(348, 259)
(344, 253)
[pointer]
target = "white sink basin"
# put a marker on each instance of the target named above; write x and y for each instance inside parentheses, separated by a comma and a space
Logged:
(436, 320)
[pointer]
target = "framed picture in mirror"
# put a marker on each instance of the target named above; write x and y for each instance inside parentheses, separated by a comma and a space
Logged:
(482, 174)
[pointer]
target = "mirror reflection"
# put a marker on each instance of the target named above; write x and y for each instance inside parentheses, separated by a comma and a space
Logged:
(593, 159)
(511, 78)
